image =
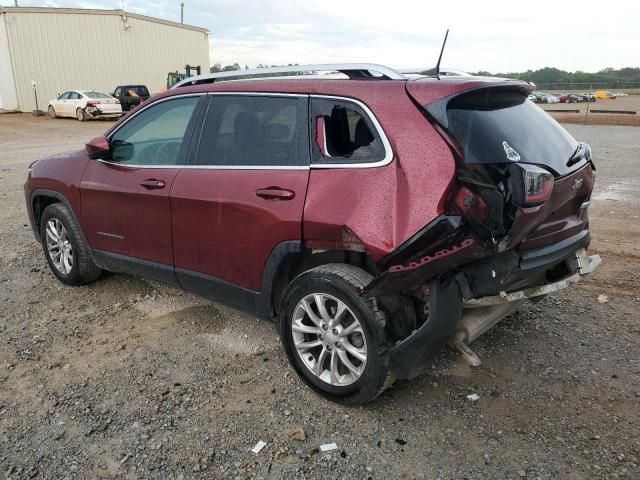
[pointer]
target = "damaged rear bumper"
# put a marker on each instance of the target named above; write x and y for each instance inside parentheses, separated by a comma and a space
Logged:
(476, 296)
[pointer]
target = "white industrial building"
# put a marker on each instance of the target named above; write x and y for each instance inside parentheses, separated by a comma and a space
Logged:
(62, 49)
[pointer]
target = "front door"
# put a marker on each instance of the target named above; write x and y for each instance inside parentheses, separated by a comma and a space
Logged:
(125, 198)
(245, 193)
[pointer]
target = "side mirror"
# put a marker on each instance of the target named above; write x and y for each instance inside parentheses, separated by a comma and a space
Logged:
(98, 147)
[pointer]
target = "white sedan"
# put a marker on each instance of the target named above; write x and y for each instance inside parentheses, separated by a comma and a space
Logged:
(85, 104)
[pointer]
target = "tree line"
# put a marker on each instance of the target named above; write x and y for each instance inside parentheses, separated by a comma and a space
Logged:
(545, 75)
(555, 75)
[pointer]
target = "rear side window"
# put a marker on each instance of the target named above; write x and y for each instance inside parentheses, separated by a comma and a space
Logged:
(261, 131)
(344, 133)
(501, 126)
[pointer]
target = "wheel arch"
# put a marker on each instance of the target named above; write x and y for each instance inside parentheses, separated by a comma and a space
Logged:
(289, 259)
(40, 200)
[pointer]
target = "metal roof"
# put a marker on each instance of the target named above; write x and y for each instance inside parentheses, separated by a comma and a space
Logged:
(91, 11)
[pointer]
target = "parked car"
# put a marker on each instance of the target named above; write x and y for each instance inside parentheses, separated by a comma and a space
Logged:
(309, 201)
(569, 98)
(586, 97)
(552, 98)
(620, 94)
(538, 97)
(131, 96)
(84, 104)
(602, 94)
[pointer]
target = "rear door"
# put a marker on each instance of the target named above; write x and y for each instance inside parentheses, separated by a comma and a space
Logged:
(125, 198)
(245, 192)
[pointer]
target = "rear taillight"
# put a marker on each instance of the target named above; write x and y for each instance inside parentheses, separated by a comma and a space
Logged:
(467, 203)
(92, 103)
(538, 185)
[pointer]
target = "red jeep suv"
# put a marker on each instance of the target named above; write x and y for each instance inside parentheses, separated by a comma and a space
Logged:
(376, 218)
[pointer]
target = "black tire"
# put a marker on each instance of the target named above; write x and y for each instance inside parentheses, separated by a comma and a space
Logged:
(344, 283)
(80, 114)
(51, 111)
(83, 269)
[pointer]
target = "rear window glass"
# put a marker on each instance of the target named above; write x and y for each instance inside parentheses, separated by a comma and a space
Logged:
(94, 94)
(497, 127)
(347, 136)
(136, 91)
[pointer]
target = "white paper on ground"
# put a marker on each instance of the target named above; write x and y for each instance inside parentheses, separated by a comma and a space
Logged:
(259, 446)
(328, 446)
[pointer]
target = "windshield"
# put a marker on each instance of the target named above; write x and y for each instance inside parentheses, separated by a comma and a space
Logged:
(502, 126)
(93, 94)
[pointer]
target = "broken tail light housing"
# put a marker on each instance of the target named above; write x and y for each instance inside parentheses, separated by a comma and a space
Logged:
(537, 184)
(467, 203)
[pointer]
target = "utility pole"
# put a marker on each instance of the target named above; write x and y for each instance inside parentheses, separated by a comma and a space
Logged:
(181, 12)
(16, 2)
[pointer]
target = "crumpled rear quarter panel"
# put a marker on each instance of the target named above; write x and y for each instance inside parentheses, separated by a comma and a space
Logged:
(382, 206)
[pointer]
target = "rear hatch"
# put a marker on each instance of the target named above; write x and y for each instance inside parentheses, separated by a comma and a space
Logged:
(522, 181)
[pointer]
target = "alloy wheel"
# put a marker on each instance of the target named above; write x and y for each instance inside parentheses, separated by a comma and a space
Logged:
(329, 339)
(59, 246)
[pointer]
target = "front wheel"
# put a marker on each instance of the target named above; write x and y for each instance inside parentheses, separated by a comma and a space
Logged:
(51, 111)
(333, 336)
(81, 115)
(64, 247)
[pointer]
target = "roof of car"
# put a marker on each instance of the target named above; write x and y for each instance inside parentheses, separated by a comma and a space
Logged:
(356, 88)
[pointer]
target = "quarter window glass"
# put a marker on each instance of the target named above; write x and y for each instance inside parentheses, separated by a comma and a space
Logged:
(155, 135)
(344, 133)
(254, 131)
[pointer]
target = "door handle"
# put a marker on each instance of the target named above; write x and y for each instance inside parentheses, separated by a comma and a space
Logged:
(152, 184)
(275, 193)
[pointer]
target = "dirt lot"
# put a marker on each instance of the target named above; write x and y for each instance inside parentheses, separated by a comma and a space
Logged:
(629, 103)
(132, 379)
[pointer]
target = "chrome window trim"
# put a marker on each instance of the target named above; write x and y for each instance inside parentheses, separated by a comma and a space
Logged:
(383, 137)
(209, 167)
(388, 155)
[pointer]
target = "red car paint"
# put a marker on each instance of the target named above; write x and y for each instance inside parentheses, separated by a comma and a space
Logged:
(212, 222)
(219, 211)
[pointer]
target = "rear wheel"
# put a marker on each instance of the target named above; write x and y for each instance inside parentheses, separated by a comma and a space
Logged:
(64, 247)
(51, 111)
(333, 336)
(81, 115)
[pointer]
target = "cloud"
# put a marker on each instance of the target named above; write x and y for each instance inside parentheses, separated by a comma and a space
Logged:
(498, 36)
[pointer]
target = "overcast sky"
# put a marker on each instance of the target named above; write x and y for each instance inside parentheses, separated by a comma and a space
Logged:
(500, 36)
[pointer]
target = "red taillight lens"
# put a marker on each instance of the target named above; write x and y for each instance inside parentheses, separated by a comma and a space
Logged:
(469, 204)
(538, 185)
(92, 103)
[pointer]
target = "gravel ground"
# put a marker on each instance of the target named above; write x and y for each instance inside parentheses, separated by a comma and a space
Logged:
(126, 378)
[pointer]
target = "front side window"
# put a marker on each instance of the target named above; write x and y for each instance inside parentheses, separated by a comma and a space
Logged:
(243, 130)
(117, 92)
(64, 96)
(155, 135)
(344, 133)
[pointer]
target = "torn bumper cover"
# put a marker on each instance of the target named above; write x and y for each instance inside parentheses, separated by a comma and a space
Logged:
(583, 263)
(469, 298)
